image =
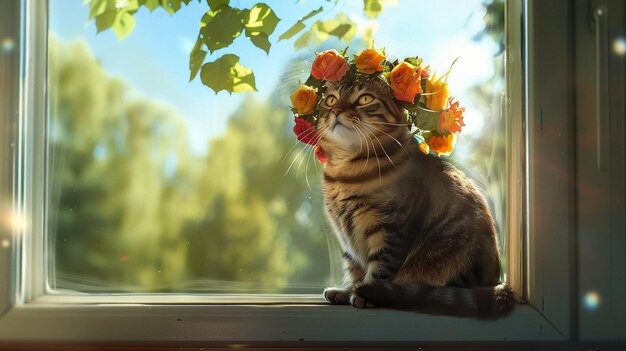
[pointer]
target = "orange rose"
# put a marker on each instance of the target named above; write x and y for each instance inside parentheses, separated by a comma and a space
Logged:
(304, 100)
(440, 93)
(406, 81)
(368, 61)
(442, 144)
(329, 65)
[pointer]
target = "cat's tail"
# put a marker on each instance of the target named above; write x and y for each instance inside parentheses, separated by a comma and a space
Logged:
(479, 302)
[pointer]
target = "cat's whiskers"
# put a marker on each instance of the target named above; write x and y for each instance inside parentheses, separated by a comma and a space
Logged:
(368, 148)
(382, 131)
(304, 135)
(380, 175)
(382, 147)
(306, 169)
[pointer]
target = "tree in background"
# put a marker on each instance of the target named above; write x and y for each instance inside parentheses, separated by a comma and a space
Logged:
(136, 211)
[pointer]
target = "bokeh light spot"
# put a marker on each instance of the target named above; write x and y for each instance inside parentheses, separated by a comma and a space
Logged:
(591, 300)
(8, 44)
(619, 46)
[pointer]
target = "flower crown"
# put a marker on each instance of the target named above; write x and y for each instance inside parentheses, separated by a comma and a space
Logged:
(432, 115)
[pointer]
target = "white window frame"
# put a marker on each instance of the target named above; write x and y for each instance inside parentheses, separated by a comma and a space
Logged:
(540, 240)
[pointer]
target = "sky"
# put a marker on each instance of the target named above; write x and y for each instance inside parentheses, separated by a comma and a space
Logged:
(154, 58)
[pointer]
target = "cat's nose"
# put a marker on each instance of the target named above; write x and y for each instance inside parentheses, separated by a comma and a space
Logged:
(336, 111)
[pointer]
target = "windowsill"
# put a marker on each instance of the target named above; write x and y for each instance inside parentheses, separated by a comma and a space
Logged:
(46, 321)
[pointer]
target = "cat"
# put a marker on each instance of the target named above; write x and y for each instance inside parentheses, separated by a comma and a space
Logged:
(416, 233)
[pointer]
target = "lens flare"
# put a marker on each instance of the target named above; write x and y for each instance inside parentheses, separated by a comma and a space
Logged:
(591, 300)
(13, 221)
(7, 44)
(619, 46)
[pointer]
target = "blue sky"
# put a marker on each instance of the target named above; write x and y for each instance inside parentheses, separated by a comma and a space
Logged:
(154, 57)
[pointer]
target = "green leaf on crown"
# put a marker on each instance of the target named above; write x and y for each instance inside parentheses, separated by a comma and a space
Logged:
(226, 73)
(423, 118)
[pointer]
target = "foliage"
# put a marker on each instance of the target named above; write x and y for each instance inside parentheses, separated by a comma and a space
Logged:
(133, 210)
(222, 23)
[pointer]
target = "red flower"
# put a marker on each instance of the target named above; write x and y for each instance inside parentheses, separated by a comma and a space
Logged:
(305, 132)
(320, 154)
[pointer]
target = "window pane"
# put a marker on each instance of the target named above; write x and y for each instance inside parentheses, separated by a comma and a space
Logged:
(157, 184)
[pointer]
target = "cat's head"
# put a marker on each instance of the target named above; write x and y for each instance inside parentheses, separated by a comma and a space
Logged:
(354, 113)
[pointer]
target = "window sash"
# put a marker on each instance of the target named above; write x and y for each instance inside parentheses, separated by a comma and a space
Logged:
(33, 313)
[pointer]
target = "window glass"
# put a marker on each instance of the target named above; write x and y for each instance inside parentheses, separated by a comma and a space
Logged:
(158, 184)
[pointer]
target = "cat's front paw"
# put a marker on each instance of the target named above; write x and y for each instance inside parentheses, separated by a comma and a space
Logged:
(337, 296)
(359, 302)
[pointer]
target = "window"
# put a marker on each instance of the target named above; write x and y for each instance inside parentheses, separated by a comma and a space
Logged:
(157, 184)
(68, 281)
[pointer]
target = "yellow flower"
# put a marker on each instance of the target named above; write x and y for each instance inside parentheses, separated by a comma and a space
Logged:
(440, 91)
(442, 144)
(369, 61)
(304, 100)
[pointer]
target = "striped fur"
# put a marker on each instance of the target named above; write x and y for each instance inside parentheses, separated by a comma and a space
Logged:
(416, 233)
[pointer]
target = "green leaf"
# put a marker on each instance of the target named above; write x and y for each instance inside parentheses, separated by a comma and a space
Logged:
(340, 27)
(295, 29)
(308, 38)
(260, 40)
(220, 28)
(124, 24)
(260, 19)
(341, 30)
(151, 4)
(312, 13)
(106, 19)
(423, 118)
(196, 57)
(372, 8)
(172, 6)
(226, 73)
(215, 4)
(96, 8)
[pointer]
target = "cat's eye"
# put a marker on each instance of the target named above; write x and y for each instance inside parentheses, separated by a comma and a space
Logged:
(331, 100)
(365, 99)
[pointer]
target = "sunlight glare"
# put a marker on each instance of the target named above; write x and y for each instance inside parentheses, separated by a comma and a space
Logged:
(591, 300)
(13, 221)
(8, 44)
(619, 46)
(474, 122)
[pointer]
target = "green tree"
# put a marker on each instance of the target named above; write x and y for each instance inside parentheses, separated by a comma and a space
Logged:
(134, 210)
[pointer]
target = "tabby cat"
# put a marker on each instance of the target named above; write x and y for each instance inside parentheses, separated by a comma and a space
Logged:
(416, 233)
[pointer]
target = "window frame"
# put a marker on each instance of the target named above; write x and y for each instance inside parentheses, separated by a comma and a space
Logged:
(27, 312)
